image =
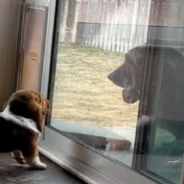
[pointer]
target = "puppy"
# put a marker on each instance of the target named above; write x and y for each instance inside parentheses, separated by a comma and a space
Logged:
(21, 124)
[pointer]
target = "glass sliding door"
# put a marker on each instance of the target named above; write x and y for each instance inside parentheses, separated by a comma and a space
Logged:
(116, 85)
(159, 141)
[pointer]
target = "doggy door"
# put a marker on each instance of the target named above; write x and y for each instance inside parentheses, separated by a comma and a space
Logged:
(33, 36)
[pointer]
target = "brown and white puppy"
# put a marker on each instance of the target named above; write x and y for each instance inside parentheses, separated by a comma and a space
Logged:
(21, 124)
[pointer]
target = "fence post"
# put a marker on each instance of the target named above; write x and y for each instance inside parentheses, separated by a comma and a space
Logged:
(70, 21)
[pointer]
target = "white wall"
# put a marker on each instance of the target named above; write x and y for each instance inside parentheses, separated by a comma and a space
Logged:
(9, 24)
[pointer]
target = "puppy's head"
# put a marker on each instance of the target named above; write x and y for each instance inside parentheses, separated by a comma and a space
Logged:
(29, 104)
(40, 100)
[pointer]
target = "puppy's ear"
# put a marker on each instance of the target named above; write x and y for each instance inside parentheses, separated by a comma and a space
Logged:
(46, 105)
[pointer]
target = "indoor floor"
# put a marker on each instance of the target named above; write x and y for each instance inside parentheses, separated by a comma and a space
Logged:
(11, 173)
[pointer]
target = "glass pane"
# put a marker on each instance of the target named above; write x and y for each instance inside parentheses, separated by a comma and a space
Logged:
(119, 62)
(86, 103)
(164, 121)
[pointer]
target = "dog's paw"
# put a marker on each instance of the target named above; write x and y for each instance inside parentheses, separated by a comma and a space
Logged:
(17, 155)
(35, 163)
(20, 161)
(38, 165)
(144, 119)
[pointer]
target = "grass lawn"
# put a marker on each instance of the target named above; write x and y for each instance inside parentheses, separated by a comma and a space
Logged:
(83, 93)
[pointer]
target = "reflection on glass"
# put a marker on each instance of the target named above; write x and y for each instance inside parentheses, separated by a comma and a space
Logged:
(87, 105)
(108, 71)
(165, 141)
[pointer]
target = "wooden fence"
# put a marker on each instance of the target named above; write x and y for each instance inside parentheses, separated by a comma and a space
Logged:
(116, 25)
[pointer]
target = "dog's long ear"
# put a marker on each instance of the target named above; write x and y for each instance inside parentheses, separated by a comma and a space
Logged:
(46, 105)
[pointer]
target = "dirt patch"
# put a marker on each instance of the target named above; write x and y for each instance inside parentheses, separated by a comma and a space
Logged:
(84, 95)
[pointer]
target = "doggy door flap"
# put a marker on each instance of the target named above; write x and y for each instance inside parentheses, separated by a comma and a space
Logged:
(33, 36)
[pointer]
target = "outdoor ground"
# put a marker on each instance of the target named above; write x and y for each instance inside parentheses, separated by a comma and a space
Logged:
(83, 93)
